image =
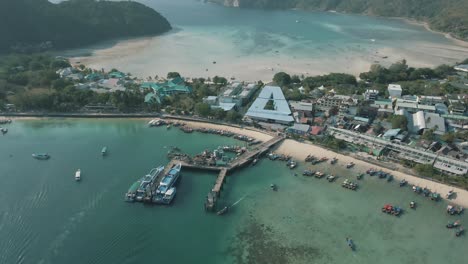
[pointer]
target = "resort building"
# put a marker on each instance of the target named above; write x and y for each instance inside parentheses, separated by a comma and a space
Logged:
(270, 106)
(394, 90)
(163, 89)
(431, 100)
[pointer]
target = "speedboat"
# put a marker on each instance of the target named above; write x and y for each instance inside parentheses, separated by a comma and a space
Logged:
(41, 156)
(78, 175)
(412, 205)
(273, 187)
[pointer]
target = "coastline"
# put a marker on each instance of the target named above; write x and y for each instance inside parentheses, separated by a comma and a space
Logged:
(300, 150)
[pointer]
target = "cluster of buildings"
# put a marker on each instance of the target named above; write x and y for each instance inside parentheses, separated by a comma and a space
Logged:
(99, 82)
(365, 122)
(159, 90)
(233, 96)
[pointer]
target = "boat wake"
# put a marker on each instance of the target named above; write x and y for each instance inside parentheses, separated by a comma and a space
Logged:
(238, 201)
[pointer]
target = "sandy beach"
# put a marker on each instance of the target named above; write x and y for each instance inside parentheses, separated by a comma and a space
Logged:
(300, 151)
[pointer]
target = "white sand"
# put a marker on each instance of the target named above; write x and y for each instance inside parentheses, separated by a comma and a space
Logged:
(300, 151)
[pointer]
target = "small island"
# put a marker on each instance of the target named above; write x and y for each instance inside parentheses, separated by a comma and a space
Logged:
(38, 25)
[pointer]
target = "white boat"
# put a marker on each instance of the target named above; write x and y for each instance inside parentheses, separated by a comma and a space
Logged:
(166, 184)
(169, 196)
(78, 175)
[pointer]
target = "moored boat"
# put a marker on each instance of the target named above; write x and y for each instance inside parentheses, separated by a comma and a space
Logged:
(331, 178)
(319, 174)
(360, 176)
(426, 191)
(350, 243)
(453, 224)
(459, 231)
(435, 196)
(41, 156)
(417, 189)
(167, 182)
(350, 165)
(449, 194)
(403, 182)
(454, 209)
(291, 164)
(78, 175)
(273, 156)
(333, 161)
(169, 196)
(390, 178)
(4, 130)
(308, 173)
(412, 205)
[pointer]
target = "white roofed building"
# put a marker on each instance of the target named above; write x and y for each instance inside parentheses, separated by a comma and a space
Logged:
(394, 90)
(270, 106)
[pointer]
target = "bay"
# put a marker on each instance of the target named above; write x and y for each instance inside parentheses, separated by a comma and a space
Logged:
(251, 44)
(47, 217)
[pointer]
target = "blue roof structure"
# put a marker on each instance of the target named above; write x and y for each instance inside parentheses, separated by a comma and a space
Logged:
(281, 111)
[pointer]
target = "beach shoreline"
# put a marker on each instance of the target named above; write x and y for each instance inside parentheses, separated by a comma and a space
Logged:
(300, 150)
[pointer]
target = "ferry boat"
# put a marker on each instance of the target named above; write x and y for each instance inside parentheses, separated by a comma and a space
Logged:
(41, 156)
(167, 183)
(146, 182)
(104, 151)
(78, 175)
(169, 196)
(350, 165)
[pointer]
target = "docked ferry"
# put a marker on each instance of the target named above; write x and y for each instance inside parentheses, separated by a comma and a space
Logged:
(166, 190)
(137, 191)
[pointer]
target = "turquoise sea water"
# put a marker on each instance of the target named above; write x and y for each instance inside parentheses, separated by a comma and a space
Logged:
(255, 44)
(47, 217)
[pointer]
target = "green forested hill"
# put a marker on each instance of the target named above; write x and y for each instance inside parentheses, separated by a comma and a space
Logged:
(444, 15)
(72, 23)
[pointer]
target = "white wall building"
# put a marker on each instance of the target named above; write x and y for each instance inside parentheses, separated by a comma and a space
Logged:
(394, 90)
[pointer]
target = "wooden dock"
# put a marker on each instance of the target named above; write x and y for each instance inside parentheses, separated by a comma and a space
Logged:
(241, 161)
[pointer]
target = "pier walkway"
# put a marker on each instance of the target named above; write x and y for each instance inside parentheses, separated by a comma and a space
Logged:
(241, 161)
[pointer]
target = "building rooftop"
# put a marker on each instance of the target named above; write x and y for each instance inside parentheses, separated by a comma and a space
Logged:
(301, 106)
(394, 87)
(281, 111)
(300, 127)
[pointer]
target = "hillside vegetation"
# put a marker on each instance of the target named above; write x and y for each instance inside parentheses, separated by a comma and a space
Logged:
(444, 15)
(39, 24)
